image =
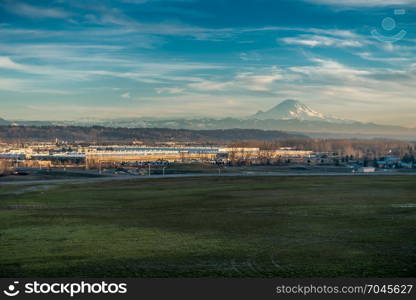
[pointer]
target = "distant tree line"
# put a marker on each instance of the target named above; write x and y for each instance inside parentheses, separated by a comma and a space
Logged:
(97, 134)
(346, 148)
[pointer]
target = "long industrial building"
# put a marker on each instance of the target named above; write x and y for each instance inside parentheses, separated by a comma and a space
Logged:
(92, 155)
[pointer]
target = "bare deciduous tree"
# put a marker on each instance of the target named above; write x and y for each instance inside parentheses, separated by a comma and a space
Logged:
(5, 167)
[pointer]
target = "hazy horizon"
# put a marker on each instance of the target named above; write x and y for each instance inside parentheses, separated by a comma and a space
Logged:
(67, 60)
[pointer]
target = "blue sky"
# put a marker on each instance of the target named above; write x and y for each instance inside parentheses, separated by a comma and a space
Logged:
(180, 58)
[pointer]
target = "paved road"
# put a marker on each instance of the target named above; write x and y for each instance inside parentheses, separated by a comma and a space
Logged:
(248, 174)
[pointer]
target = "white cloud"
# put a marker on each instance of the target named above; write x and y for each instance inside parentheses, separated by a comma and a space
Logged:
(367, 3)
(251, 56)
(207, 85)
(321, 41)
(111, 16)
(341, 33)
(9, 84)
(28, 86)
(49, 91)
(169, 90)
(146, 72)
(369, 56)
(34, 12)
(126, 95)
(7, 63)
(255, 82)
(13, 32)
(326, 69)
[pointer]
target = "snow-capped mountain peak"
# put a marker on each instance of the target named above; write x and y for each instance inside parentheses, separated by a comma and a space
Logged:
(292, 109)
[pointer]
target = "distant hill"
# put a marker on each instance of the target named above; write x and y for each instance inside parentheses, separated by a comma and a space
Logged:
(4, 122)
(318, 128)
(107, 134)
(288, 116)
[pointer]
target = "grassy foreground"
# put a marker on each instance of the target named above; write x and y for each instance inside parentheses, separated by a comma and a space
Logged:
(211, 227)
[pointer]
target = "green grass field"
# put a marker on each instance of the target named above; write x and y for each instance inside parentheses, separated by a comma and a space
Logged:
(211, 227)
